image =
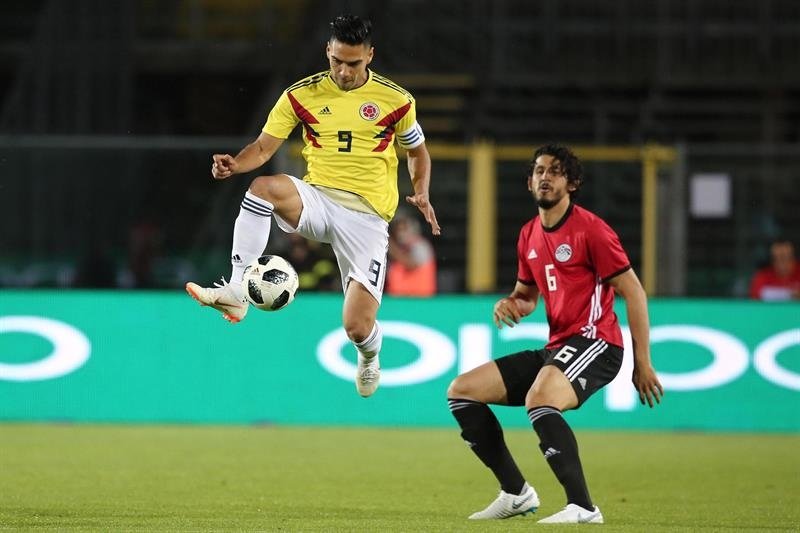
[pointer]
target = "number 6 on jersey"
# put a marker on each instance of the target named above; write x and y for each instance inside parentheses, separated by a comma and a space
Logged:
(551, 277)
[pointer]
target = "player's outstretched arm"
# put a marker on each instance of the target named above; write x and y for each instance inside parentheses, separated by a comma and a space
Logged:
(644, 378)
(419, 168)
(516, 306)
(250, 158)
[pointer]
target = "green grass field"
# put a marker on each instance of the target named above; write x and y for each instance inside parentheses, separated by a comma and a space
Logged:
(199, 478)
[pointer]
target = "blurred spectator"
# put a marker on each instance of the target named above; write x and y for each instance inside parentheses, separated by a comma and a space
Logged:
(412, 262)
(96, 269)
(144, 247)
(780, 280)
(316, 270)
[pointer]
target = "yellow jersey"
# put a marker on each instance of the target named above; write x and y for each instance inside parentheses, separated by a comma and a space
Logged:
(349, 135)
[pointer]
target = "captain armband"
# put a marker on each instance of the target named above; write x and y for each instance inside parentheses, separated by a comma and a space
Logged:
(412, 137)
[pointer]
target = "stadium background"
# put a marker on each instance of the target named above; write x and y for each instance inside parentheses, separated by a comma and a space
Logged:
(110, 111)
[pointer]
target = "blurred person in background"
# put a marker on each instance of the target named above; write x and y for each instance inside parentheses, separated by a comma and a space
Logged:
(315, 269)
(412, 261)
(780, 280)
(144, 248)
(575, 262)
(350, 117)
(96, 269)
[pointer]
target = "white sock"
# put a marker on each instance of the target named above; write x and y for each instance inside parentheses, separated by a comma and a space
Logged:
(369, 347)
(250, 234)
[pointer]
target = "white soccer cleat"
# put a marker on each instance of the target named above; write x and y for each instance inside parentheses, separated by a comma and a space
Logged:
(507, 505)
(223, 297)
(368, 375)
(574, 514)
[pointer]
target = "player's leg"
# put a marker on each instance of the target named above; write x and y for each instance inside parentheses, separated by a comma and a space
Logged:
(359, 241)
(267, 194)
(550, 396)
(502, 382)
(359, 315)
(571, 374)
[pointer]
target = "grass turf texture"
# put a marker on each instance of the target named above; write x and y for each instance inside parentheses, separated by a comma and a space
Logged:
(197, 478)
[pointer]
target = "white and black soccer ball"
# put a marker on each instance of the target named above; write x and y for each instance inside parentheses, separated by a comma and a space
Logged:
(270, 283)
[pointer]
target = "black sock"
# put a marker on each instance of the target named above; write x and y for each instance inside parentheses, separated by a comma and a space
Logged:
(560, 448)
(481, 430)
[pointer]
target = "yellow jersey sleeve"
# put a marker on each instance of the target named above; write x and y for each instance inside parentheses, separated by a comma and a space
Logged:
(282, 119)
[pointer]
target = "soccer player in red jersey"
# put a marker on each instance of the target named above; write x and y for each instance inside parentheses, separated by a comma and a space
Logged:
(575, 262)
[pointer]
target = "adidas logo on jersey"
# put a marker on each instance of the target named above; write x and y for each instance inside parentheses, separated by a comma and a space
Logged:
(582, 381)
(325, 111)
(532, 254)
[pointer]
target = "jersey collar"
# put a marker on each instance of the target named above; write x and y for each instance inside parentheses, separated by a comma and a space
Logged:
(561, 222)
(366, 82)
(333, 83)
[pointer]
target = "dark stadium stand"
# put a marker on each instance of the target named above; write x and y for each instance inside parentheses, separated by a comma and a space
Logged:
(718, 78)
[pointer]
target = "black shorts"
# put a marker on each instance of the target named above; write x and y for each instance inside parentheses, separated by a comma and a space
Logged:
(589, 364)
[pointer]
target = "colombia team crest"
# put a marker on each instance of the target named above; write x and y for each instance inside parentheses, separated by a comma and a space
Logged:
(369, 111)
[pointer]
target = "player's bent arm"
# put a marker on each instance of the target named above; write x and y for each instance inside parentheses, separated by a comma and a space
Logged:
(257, 153)
(517, 305)
(419, 168)
(628, 286)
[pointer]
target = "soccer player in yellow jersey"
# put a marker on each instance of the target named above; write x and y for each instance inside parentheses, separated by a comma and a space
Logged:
(351, 118)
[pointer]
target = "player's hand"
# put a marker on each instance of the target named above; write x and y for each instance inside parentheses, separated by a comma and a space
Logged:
(507, 312)
(646, 382)
(421, 202)
(223, 166)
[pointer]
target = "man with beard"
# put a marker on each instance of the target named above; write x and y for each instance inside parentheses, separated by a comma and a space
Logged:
(575, 261)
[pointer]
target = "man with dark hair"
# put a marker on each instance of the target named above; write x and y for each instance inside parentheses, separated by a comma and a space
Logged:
(575, 262)
(350, 117)
(349, 29)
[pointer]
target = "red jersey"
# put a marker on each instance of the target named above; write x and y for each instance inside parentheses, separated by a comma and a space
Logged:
(767, 285)
(571, 264)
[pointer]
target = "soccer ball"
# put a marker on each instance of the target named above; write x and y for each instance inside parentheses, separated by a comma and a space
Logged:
(270, 283)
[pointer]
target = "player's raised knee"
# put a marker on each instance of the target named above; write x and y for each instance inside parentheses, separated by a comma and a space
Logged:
(263, 187)
(459, 388)
(273, 188)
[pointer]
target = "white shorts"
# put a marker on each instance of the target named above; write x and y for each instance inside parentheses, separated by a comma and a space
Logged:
(359, 240)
